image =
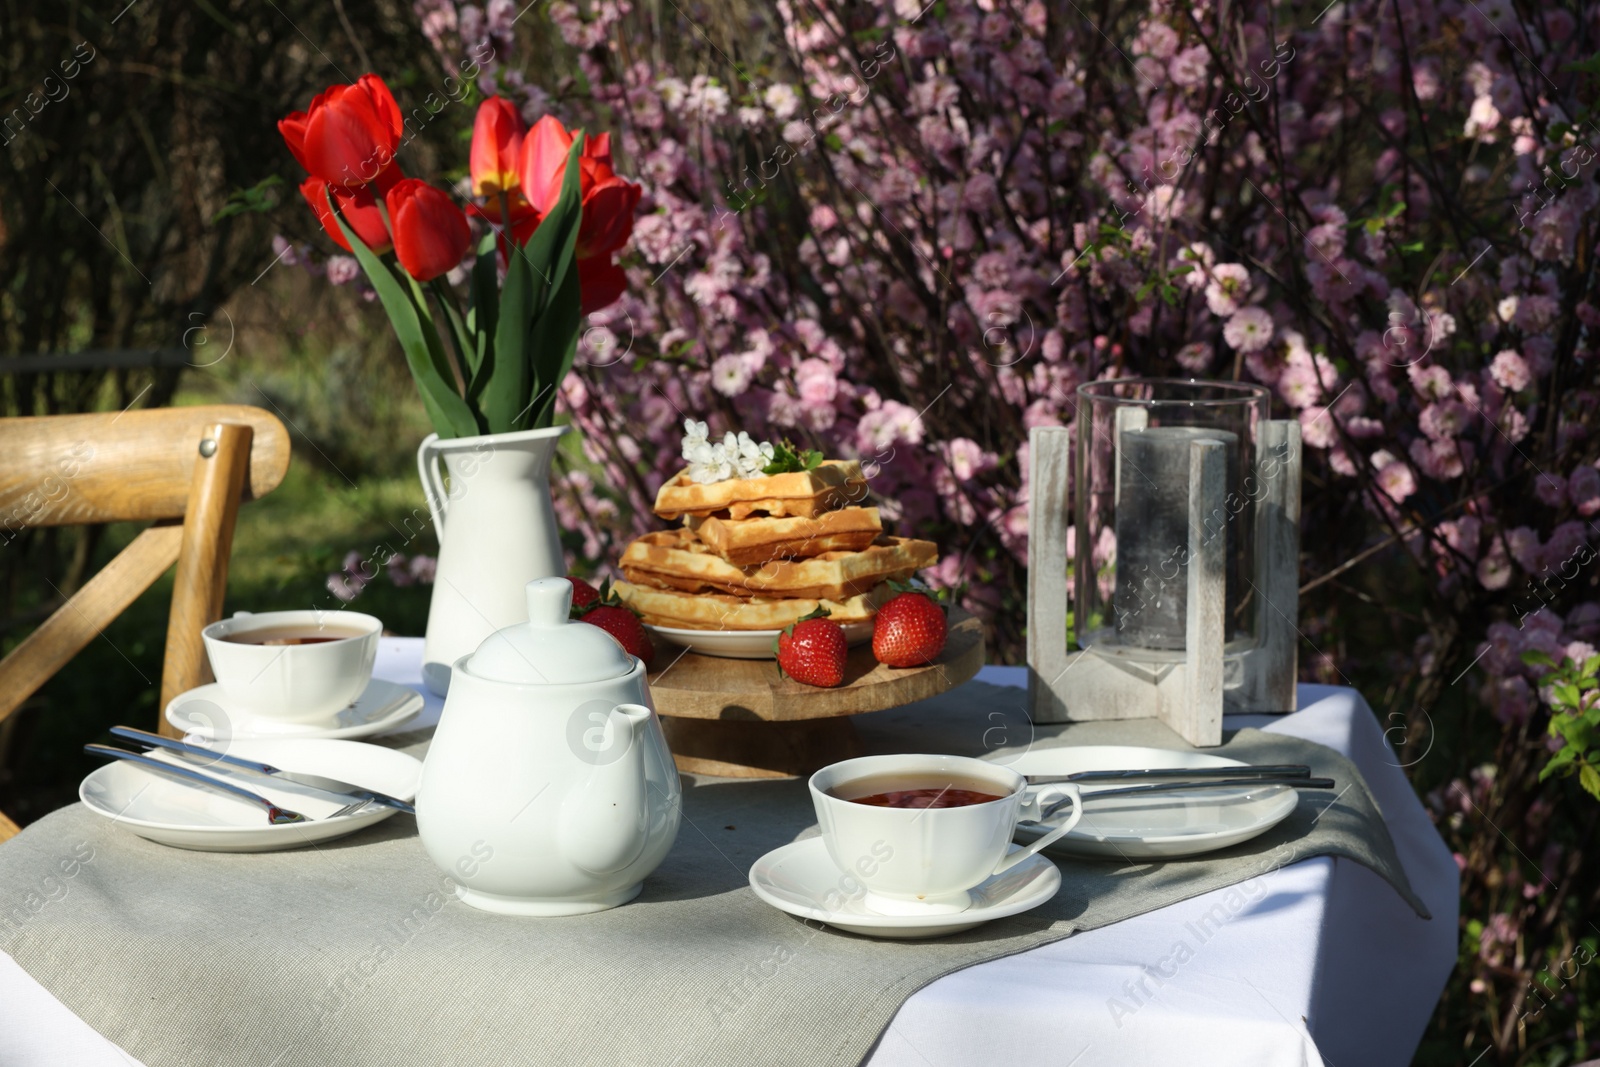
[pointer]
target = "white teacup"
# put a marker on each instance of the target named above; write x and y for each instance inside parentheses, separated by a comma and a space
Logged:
(293, 682)
(921, 860)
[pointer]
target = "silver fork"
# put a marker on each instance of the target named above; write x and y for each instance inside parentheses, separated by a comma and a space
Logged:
(276, 815)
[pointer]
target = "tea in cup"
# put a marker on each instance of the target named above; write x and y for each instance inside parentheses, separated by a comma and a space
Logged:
(293, 666)
(918, 832)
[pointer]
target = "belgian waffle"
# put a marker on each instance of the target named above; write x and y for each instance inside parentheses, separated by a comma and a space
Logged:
(717, 611)
(835, 484)
(757, 540)
(677, 559)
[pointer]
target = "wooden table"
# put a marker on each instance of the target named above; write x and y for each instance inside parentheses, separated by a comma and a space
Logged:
(739, 718)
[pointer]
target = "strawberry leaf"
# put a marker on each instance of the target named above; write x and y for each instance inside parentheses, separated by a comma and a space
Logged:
(786, 459)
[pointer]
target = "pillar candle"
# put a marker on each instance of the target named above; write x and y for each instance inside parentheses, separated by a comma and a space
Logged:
(1150, 604)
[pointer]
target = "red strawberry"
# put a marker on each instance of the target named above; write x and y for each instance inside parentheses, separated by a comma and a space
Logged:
(909, 631)
(813, 650)
(583, 594)
(615, 618)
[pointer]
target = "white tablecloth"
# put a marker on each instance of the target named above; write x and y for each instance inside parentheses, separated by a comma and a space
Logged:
(1328, 966)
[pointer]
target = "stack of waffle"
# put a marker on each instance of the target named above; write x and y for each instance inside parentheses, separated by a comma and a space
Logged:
(761, 553)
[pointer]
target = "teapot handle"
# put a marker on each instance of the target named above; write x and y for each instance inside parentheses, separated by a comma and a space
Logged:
(432, 483)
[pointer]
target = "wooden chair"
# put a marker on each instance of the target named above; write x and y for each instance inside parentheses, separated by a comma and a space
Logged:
(186, 470)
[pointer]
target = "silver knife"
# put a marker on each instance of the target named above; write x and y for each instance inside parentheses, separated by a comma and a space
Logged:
(326, 785)
(1178, 787)
(275, 815)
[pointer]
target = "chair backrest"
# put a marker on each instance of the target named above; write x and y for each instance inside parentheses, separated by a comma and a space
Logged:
(184, 469)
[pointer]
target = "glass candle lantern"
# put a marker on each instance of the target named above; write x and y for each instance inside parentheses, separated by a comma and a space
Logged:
(1132, 511)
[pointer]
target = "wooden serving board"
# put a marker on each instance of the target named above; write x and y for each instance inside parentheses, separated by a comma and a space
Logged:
(740, 718)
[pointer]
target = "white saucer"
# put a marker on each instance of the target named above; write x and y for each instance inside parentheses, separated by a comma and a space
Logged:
(1153, 827)
(797, 879)
(382, 706)
(744, 644)
(166, 811)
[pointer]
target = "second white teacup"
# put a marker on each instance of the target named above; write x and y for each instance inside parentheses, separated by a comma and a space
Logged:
(293, 666)
(913, 860)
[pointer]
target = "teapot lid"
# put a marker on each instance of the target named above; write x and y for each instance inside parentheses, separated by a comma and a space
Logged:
(549, 649)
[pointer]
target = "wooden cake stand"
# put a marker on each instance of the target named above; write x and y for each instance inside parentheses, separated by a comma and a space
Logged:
(739, 718)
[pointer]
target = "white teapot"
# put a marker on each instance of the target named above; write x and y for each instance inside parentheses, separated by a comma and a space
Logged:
(549, 788)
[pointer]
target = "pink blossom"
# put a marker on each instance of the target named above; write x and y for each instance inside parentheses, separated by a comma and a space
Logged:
(1299, 386)
(1583, 488)
(1494, 570)
(1443, 420)
(1325, 241)
(1462, 534)
(816, 382)
(342, 270)
(1396, 481)
(1431, 383)
(1525, 548)
(1194, 357)
(893, 422)
(1230, 283)
(1537, 313)
(729, 375)
(1188, 67)
(1510, 371)
(967, 458)
(1248, 329)
(1502, 652)
(1317, 429)
(1564, 552)
(1551, 489)
(1158, 39)
(1440, 460)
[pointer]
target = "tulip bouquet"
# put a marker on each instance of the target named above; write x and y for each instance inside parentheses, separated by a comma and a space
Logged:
(552, 206)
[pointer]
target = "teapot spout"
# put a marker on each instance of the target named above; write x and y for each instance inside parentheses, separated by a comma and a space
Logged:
(605, 821)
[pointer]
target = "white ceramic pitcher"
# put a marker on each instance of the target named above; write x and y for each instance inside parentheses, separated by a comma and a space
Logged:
(549, 788)
(500, 534)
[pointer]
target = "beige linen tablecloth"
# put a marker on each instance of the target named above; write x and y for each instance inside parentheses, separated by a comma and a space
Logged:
(353, 953)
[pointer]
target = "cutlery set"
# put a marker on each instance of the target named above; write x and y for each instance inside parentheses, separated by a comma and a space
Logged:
(193, 756)
(1150, 780)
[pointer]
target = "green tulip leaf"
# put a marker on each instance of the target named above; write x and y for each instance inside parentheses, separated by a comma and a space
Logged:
(482, 311)
(555, 335)
(461, 340)
(448, 412)
(505, 372)
(521, 376)
(554, 342)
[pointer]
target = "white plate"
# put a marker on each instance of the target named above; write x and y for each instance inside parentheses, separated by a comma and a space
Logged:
(798, 878)
(165, 810)
(1154, 827)
(203, 712)
(744, 644)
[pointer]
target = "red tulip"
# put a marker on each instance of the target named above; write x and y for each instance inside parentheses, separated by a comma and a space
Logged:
(360, 211)
(496, 145)
(600, 283)
(349, 134)
(609, 203)
(431, 234)
(543, 162)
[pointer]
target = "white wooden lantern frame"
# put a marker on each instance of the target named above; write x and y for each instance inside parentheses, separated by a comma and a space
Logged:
(1190, 693)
